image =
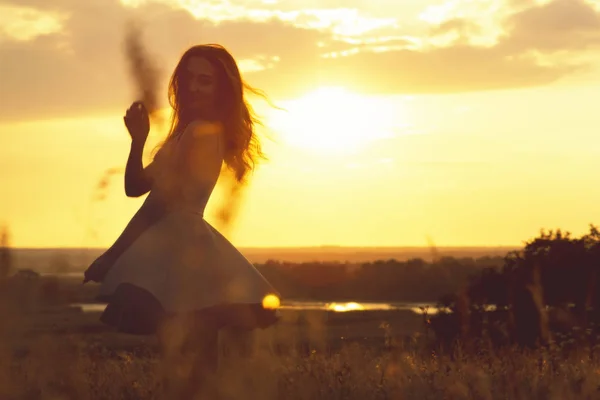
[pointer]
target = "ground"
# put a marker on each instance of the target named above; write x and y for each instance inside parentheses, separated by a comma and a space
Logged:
(51, 351)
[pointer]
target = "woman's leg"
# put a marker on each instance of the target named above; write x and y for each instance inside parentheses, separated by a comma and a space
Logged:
(190, 357)
(168, 349)
(238, 343)
(203, 347)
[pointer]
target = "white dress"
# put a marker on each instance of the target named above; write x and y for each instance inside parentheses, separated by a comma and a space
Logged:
(182, 261)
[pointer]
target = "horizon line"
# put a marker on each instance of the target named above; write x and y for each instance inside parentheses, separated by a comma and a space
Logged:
(296, 247)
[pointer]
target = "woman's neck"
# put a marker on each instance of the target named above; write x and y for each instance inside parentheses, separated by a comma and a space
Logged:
(207, 114)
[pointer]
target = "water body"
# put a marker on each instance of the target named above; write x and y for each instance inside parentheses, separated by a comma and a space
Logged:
(338, 307)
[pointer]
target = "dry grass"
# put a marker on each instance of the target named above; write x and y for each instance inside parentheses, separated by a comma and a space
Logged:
(45, 361)
(69, 367)
(47, 352)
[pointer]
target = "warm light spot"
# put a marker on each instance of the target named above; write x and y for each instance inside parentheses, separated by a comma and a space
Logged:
(486, 20)
(335, 120)
(207, 128)
(27, 23)
(425, 310)
(271, 301)
(133, 3)
(344, 53)
(352, 306)
(250, 65)
(345, 21)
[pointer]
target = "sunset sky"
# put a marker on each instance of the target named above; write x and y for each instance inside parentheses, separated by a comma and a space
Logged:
(469, 122)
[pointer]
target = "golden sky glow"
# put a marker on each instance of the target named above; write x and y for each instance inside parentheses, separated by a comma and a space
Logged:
(470, 122)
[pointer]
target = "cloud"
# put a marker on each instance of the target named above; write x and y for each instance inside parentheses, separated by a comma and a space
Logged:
(78, 66)
(82, 68)
(560, 25)
(26, 23)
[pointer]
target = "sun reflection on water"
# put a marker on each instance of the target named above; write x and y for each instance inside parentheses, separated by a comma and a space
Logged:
(343, 307)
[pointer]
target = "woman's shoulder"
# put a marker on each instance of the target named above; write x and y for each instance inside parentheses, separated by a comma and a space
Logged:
(199, 127)
(202, 135)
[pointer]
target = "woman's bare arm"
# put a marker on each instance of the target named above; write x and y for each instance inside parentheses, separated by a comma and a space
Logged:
(137, 178)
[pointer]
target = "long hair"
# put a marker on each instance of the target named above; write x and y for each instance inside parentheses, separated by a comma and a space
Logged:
(243, 149)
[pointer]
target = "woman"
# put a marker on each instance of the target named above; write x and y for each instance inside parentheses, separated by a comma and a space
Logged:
(170, 272)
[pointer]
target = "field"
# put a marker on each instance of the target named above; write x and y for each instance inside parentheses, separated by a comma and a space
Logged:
(51, 351)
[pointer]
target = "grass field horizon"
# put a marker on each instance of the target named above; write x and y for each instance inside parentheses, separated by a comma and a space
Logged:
(50, 349)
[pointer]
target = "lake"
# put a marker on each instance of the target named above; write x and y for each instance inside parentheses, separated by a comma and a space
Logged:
(337, 307)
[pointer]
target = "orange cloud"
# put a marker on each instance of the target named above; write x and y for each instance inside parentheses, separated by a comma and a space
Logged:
(26, 23)
(80, 69)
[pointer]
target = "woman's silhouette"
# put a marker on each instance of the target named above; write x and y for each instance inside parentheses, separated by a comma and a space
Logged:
(170, 272)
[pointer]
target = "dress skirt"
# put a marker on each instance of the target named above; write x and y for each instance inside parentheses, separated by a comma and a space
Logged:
(182, 266)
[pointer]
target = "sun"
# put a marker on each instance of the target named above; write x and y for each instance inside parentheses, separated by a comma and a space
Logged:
(334, 120)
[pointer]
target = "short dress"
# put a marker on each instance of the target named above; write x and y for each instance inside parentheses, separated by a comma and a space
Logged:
(181, 265)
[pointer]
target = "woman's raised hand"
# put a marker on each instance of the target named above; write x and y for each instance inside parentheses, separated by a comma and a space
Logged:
(137, 122)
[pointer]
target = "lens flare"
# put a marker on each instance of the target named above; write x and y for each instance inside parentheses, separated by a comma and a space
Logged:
(271, 301)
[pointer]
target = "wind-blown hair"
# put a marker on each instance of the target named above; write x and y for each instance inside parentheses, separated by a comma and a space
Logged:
(243, 149)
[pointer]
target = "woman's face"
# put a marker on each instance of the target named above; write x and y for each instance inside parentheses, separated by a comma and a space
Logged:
(200, 85)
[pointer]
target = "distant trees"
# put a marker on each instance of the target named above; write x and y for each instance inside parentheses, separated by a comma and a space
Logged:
(554, 275)
(381, 281)
(568, 271)
(59, 263)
